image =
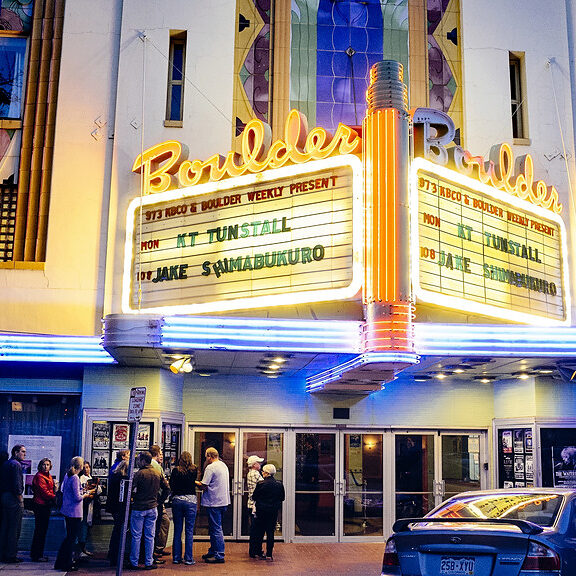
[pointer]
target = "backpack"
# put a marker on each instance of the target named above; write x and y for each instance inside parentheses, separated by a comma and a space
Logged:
(59, 499)
(60, 495)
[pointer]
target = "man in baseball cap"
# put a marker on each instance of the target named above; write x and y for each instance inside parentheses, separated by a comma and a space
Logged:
(252, 479)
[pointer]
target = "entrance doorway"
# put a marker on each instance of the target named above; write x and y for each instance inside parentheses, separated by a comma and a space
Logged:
(429, 468)
(234, 446)
(343, 485)
(339, 486)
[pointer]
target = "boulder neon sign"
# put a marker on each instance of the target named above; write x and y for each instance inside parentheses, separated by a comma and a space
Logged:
(164, 165)
(434, 131)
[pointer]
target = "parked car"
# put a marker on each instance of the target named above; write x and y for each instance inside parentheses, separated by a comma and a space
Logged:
(506, 532)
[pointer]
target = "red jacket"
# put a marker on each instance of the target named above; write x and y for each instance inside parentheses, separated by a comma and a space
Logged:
(43, 489)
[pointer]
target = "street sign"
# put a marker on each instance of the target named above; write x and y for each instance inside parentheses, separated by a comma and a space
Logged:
(136, 405)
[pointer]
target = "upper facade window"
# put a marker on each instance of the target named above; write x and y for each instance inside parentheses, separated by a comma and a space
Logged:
(177, 63)
(12, 58)
(517, 97)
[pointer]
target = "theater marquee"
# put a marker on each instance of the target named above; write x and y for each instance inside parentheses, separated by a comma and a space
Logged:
(480, 250)
(293, 233)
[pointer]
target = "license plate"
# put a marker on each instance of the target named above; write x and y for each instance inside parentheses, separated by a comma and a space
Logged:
(457, 566)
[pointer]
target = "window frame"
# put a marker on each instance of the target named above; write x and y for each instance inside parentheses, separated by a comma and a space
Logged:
(518, 108)
(177, 38)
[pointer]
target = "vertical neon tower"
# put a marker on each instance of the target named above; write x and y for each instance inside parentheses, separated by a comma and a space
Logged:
(387, 296)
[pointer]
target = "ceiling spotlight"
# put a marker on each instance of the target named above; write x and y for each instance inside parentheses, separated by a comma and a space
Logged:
(183, 364)
(485, 379)
(521, 375)
(544, 369)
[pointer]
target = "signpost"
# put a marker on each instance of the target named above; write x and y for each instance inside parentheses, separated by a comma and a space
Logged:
(135, 411)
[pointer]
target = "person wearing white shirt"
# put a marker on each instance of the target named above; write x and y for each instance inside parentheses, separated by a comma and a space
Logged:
(216, 498)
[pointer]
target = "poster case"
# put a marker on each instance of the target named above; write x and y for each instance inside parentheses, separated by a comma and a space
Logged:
(107, 438)
(515, 457)
(558, 449)
(171, 440)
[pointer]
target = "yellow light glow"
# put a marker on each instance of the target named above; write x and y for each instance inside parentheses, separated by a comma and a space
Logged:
(471, 306)
(291, 171)
(258, 154)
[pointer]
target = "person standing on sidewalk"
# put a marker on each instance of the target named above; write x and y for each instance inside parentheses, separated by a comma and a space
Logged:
(184, 507)
(252, 478)
(117, 508)
(72, 499)
(42, 502)
(216, 498)
(163, 521)
(146, 486)
(12, 505)
(268, 496)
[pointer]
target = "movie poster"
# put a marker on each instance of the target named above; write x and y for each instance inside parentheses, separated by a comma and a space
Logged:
(564, 463)
(507, 441)
(100, 463)
(100, 435)
(528, 440)
(529, 467)
(143, 438)
(518, 441)
(120, 436)
(519, 468)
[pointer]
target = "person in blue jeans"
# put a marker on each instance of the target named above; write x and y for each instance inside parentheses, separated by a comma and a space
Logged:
(184, 506)
(215, 498)
(147, 486)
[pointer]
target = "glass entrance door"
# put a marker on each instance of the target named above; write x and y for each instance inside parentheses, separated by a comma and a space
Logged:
(363, 495)
(268, 445)
(414, 491)
(225, 441)
(234, 446)
(460, 464)
(317, 482)
(432, 467)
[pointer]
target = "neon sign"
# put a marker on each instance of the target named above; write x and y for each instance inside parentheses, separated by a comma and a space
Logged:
(287, 236)
(434, 131)
(164, 165)
(479, 250)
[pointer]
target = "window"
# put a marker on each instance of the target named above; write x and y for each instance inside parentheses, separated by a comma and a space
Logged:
(517, 97)
(12, 56)
(29, 64)
(177, 63)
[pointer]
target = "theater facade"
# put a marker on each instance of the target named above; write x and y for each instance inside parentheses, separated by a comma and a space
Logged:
(380, 312)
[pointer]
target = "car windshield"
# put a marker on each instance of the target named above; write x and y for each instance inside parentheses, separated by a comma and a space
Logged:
(541, 509)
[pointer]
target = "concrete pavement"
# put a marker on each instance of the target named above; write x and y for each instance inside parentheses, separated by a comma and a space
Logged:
(289, 560)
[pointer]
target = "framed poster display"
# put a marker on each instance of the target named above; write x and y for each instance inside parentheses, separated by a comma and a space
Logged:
(120, 436)
(143, 438)
(100, 435)
(100, 462)
(558, 451)
(515, 458)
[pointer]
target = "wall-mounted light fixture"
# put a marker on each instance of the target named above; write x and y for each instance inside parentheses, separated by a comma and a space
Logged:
(183, 364)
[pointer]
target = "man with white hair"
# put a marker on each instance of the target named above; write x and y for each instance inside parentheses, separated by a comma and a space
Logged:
(252, 478)
(268, 497)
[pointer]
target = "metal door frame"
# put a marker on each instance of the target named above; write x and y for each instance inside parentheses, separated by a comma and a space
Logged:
(236, 474)
(438, 482)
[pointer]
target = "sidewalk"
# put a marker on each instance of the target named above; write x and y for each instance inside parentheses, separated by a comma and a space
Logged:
(289, 560)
